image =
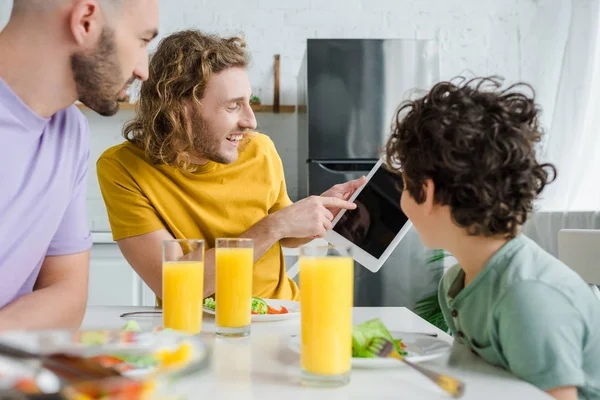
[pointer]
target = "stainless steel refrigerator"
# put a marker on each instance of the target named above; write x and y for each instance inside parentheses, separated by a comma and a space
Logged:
(348, 92)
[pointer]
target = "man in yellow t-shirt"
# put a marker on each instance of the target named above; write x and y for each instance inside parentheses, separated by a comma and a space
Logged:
(193, 167)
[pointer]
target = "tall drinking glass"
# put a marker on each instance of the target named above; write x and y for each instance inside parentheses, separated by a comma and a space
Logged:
(183, 284)
(234, 262)
(326, 285)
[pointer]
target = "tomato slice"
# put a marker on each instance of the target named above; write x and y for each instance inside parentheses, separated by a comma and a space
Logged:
(282, 310)
(107, 361)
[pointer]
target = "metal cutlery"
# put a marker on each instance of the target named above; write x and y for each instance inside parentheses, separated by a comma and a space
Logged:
(129, 314)
(69, 367)
(382, 347)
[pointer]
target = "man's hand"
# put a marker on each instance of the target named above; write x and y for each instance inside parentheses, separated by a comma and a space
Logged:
(344, 191)
(310, 217)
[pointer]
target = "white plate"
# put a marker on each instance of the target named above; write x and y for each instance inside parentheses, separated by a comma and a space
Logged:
(420, 348)
(293, 308)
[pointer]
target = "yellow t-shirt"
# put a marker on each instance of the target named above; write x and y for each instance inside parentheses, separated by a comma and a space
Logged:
(216, 201)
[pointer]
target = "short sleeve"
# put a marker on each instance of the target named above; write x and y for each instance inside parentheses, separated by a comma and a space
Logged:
(541, 335)
(73, 234)
(282, 200)
(130, 213)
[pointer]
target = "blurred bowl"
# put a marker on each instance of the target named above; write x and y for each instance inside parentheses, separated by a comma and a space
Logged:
(154, 361)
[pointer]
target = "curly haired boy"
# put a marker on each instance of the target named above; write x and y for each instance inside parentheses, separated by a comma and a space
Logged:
(466, 152)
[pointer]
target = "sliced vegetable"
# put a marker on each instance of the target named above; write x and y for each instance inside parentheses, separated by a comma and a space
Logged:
(110, 388)
(282, 310)
(139, 360)
(27, 386)
(175, 358)
(126, 362)
(107, 360)
(259, 306)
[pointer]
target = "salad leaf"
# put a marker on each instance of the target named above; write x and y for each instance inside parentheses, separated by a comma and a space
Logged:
(362, 335)
(209, 303)
(259, 306)
(400, 347)
(139, 360)
(132, 326)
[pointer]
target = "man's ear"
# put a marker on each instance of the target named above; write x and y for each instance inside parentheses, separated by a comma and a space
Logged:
(86, 22)
(429, 192)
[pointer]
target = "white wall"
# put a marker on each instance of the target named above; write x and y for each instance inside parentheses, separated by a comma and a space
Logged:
(519, 39)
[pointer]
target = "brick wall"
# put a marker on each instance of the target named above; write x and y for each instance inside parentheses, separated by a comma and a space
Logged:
(519, 39)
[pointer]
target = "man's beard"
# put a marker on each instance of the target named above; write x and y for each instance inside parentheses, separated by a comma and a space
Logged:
(97, 76)
(206, 145)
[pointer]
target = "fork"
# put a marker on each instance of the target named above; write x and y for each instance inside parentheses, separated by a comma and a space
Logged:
(67, 366)
(382, 347)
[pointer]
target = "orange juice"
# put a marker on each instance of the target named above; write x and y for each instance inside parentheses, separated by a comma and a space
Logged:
(183, 287)
(326, 285)
(233, 295)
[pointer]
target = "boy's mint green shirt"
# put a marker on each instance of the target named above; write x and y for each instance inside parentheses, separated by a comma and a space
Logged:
(529, 313)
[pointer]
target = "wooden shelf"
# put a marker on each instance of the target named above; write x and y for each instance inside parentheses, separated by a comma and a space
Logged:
(257, 108)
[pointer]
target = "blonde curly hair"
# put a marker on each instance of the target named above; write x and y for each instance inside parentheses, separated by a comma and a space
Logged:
(180, 70)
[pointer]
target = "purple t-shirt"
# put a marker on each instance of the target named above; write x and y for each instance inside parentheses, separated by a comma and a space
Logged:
(43, 171)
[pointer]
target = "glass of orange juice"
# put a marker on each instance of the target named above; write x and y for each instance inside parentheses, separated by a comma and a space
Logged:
(327, 290)
(234, 262)
(183, 284)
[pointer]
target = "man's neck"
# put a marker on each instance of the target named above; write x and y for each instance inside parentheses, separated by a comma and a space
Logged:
(35, 70)
(199, 161)
(474, 252)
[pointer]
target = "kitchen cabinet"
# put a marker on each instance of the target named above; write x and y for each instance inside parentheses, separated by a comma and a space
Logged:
(112, 281)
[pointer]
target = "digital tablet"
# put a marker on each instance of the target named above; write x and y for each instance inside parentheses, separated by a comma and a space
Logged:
(378, 224)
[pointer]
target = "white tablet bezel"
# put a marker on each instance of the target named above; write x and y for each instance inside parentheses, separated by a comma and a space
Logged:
(370, 262)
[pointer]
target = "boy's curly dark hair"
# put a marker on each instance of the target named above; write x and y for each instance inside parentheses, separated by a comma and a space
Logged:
(477, 143)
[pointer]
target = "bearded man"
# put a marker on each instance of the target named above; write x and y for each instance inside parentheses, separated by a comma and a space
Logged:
(193, 167)
(54, 52)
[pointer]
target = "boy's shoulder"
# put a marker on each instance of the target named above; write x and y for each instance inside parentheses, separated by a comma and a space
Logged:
(531, 263)
(519, 263)
(536, 281)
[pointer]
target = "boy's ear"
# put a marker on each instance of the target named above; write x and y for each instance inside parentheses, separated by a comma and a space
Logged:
(429, 191)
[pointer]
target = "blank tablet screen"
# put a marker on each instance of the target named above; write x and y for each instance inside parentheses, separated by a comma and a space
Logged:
(377, 219)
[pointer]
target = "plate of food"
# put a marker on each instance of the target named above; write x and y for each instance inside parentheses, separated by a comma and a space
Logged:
(147, 363)
(416, 347)
(264, 310)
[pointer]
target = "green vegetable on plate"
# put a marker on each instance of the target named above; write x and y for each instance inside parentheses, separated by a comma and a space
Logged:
(362, 335)
(259, 306)
(209, 303)
(132, 326)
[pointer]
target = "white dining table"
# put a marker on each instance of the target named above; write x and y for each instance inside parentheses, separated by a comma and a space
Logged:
(263, 366)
